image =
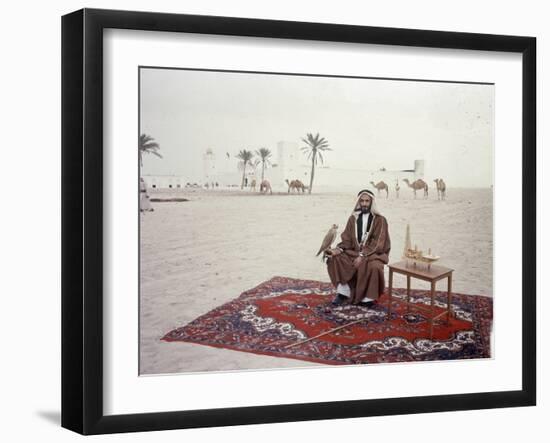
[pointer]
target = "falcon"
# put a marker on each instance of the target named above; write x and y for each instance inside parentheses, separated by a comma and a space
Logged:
(329, 238)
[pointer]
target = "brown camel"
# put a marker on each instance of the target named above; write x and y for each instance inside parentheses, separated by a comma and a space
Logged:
(299, 185)
(295, 185)
(265, 186)
(441, 188)
(417, 185)
(381, 186)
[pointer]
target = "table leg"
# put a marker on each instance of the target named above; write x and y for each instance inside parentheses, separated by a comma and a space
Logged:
(390, 290)
(408, 291)
(432, 295)
(449, 290)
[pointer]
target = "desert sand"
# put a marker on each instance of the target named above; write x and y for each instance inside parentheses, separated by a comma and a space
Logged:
(201, 253)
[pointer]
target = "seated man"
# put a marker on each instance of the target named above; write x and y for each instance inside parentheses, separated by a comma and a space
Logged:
(356, 265)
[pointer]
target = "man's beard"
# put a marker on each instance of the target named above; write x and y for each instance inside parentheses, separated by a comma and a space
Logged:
(364, 210)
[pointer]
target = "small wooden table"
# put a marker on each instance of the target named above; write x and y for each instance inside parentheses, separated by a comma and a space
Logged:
(421, 271)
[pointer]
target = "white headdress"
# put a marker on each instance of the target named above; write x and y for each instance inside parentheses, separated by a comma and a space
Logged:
(373, 207)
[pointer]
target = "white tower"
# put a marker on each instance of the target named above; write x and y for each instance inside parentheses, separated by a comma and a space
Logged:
(209, 164)
(419, 166)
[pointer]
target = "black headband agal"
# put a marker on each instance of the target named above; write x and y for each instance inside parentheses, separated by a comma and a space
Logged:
(367, 191)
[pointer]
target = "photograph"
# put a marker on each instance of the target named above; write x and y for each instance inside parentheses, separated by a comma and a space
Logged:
(291, 220)
(332, 227)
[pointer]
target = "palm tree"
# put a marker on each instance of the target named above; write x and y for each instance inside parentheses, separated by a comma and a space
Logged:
(246, 157)
(315, 146)
(264, 155)
(147, 145)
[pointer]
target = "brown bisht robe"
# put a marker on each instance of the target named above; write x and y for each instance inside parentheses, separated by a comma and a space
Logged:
(368, 280)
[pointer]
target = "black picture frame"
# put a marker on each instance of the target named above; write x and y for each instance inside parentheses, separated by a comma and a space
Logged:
(82, 218)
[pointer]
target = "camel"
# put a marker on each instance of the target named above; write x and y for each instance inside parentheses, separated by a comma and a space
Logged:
(253, 184)
(441, 188)
(397, 188)
(296, 185)
(417, 185)
(290, 184)
(381, 186)
(265, 186)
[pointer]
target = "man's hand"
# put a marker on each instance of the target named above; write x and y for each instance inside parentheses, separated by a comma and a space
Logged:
(358, 261)
(333, 252)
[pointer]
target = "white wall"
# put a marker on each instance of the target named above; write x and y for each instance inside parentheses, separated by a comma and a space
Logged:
(30, 218)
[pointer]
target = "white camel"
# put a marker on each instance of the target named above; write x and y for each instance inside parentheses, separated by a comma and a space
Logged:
(265, 186)
(441, 188)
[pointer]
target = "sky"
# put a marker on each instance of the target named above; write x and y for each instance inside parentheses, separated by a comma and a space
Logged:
(369, 123)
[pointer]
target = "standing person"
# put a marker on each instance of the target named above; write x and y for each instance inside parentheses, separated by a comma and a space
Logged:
(144, 203)
(356, 265)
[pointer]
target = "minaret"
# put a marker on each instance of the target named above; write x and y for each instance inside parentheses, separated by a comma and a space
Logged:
(209, 164)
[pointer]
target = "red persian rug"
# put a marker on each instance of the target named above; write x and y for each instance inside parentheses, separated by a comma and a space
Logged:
(284, 311)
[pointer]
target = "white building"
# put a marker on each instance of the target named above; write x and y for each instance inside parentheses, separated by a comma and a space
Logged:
(288, 162)
(293, 164)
